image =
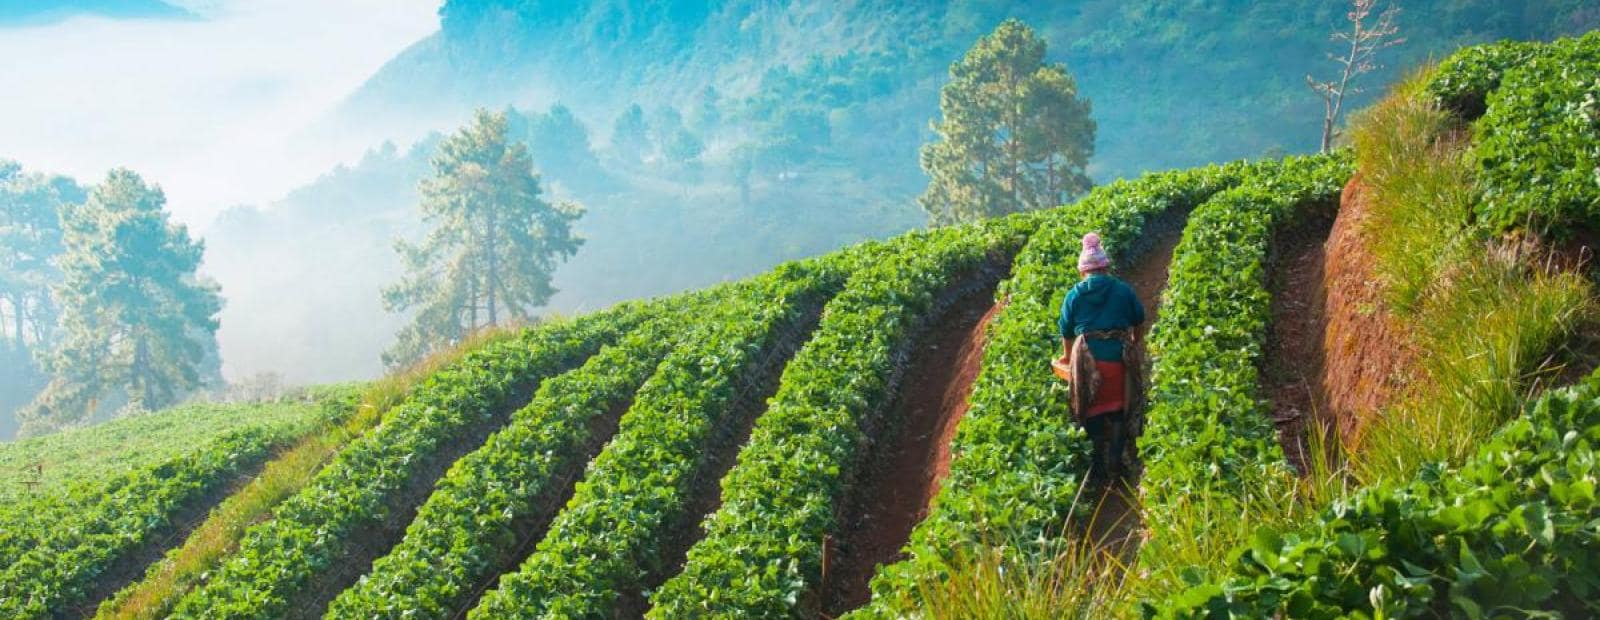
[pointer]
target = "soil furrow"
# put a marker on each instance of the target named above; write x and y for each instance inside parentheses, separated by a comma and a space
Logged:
(910, 453)
(1292, 379)
(705, 495)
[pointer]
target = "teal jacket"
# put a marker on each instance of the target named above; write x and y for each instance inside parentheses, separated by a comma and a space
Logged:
(1099, 302)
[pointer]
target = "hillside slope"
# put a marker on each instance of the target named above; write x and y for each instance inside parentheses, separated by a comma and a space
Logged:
(706, 454)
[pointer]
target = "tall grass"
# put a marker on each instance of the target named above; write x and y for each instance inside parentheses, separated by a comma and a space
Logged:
(1076, 581)
(1484, 314)
(1205, 528)
(1487, 341)
(1412, 158)
(186, 567)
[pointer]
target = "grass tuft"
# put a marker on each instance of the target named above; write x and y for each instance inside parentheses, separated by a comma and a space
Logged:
(187, 566)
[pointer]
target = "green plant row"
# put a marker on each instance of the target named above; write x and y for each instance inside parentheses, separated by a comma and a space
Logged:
(470, 526)
(611, 537)
(311, 531)
(1538, 143)
(761, 555)
(1512, 533)
(1205, 432)
(1017, 458)
(94, 458)
(77, 547)
(1462, 82)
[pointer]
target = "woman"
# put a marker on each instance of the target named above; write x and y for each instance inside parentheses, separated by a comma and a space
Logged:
(1097, 320)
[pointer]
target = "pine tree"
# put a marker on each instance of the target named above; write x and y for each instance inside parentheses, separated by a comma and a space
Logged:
(137, 321)
(1013, 135)
(492, 247)
(30, 241)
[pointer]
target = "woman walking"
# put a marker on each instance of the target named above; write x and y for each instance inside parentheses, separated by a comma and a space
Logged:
(1097, 325)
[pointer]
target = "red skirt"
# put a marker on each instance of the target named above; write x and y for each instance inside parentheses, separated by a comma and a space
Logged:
(1112, 395)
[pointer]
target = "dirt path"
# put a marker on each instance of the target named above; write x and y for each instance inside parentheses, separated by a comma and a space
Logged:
(1113, 524)
(1293, 378)
(903, 473)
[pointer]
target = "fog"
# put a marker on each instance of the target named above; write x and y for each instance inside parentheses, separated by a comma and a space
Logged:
(214, 109)
(291, 134)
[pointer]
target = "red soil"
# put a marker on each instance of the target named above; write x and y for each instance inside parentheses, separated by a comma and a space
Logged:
(1293, 377)
(904, 472)
(1366, 352)
(1114, 523)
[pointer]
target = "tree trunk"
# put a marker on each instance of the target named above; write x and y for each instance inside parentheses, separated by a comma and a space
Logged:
(16, 317)
(494, 265)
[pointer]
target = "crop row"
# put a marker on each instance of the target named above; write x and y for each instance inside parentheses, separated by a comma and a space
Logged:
(472, 525)
(70, 552)
(1538, 143)
(86, 469)
(1511, 531)
(1017, 458)
(1206, 434)
(310, 532)
(614, 536)
(762, 552)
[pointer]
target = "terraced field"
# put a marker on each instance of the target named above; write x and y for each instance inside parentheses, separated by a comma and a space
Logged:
(832, 437)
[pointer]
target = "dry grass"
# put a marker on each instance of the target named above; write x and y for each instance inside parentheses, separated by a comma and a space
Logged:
(184, 568)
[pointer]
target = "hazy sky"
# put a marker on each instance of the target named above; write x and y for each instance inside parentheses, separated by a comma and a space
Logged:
(213, 110)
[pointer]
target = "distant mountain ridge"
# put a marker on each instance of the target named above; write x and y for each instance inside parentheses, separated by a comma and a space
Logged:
(1175, 83)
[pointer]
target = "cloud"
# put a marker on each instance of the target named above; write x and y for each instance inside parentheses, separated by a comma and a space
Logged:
(211, 109)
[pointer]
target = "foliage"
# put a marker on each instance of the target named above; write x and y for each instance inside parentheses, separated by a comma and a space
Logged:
(1462, 83)
(492, 247)
(1208, 446)
(1018, 460)
(53, 463)
(1538, 145)
(137, 322)
(761, 553)
(1482, 313)
(469, 528)
(1013, 134)
(1509, 532)
(58, 568)
(311, 530)
(30, 240)
(589, 561)
(351, 413)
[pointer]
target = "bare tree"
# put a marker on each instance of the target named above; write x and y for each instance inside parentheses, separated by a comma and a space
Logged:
(1362, 43)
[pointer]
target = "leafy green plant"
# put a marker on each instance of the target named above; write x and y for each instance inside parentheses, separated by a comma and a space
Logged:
(1018, 460)
(611, 537)
(761, 555)
(1538, 145)
(1509, 532)
(310, 531)
(470, 526)
(59, 567)
(1209, 450)
(352, 413)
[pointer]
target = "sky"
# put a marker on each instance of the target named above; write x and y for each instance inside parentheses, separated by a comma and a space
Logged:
(215, 110)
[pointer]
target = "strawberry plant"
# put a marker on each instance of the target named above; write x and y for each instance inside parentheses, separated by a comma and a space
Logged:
(1509, 532)
(77, 546)
(1206, 434)
(761, 554)
(1538, 144)
(611, 537)
(1017, 458)
(311, 531)
(469, 528)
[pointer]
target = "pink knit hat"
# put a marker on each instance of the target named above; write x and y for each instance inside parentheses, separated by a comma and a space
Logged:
(1093, 256)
